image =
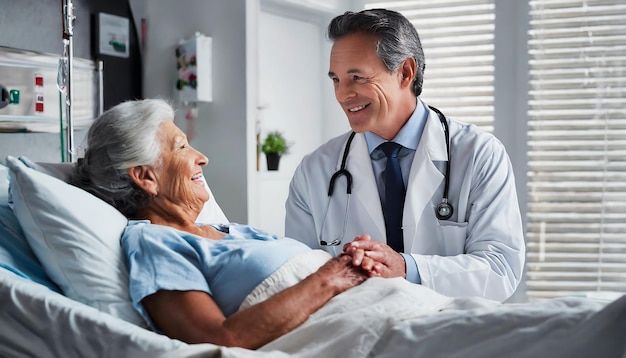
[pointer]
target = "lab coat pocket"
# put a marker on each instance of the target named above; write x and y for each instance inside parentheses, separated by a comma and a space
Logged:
(454, 235)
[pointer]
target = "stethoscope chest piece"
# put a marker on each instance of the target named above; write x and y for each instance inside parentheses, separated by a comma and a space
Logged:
(444, 210)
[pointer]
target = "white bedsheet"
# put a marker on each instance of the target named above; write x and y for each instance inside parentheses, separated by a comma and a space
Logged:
(392, 318)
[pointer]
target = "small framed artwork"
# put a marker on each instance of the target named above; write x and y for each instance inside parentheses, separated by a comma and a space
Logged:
(113, 35)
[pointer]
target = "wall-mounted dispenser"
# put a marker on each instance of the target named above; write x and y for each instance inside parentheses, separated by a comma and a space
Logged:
(193, 63)
(193, 82)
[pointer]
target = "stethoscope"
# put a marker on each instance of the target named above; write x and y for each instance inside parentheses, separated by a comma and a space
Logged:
(443, 211)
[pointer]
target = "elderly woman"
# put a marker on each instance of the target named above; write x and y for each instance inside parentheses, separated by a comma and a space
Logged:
(195, 282)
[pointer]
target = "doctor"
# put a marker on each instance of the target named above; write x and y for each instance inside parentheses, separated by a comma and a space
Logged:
(458, 230)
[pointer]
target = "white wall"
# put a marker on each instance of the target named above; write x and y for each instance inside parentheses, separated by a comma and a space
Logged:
(511, 96)
(289, 100)
(38, 147)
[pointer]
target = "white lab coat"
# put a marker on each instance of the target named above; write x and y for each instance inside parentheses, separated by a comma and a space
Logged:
(479, 251)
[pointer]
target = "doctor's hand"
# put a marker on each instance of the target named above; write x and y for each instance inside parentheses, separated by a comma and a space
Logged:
(377, 258)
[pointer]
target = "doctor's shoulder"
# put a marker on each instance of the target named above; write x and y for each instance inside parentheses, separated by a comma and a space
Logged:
(326, 156)
(473, 146)
(465, 135)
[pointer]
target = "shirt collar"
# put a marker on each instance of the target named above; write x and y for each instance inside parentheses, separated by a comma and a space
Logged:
(409, 135)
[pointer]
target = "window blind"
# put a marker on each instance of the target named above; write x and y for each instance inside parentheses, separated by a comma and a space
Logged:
(457, 38)
(576, 231)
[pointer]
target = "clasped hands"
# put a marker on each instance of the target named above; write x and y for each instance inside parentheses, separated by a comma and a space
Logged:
(376, 258)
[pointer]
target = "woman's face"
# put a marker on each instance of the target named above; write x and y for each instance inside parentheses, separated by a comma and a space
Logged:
(179, 175)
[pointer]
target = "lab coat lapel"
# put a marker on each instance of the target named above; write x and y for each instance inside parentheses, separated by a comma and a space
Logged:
(424, 178)
(364, 189)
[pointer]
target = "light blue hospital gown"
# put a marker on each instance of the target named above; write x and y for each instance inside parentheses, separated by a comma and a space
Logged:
(164, 258)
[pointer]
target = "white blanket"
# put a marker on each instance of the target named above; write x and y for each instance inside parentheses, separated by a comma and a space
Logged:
(393, 318)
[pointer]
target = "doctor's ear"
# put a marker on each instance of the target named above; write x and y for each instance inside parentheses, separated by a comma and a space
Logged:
(145, 178)
(407, 70)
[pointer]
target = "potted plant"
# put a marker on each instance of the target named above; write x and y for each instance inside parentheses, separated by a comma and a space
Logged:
(274, 146)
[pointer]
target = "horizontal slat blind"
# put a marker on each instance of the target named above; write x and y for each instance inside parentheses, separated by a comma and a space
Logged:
(577, 147)
(457, 37)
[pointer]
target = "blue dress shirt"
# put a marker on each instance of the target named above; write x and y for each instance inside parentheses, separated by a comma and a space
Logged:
(409, 137)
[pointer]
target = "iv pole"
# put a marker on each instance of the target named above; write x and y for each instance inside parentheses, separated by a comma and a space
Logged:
(68, 52)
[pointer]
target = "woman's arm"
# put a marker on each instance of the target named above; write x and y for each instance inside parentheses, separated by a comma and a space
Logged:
(193, 316)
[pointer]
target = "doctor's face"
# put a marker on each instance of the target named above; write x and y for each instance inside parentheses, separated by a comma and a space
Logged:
(180, 178)
(367, 91)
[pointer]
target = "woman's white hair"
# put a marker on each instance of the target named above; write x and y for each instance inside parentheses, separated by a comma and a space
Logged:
(123, 137)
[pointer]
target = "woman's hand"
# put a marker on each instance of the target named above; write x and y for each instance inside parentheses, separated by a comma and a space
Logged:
(377, 258)
(340, 273)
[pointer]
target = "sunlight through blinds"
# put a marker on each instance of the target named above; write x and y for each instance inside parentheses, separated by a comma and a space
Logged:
(576, 230)
(457, 38)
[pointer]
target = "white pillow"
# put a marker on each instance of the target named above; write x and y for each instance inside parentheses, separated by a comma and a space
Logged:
(76, 237)
(211, 212)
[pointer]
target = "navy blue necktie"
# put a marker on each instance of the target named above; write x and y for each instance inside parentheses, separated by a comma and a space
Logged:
(394, 196)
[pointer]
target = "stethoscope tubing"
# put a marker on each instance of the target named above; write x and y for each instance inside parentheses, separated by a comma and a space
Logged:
(446, 131)
(331, 187)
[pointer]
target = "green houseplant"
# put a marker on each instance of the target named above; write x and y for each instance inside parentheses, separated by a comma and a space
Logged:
(274, 146)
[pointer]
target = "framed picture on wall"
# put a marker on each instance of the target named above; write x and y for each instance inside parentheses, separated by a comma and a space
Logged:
(112, 35)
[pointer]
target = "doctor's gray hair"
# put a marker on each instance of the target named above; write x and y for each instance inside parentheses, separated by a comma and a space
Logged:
(125, 136)
(398, 39)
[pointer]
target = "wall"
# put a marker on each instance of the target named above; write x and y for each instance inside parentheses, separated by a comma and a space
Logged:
(289, 99)
(511, 97)
(36, 25)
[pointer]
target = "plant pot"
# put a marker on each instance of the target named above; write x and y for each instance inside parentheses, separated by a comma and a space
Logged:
(273, 160)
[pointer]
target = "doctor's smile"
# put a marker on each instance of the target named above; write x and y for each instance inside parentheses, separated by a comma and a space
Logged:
(358, 115)
(356, 109)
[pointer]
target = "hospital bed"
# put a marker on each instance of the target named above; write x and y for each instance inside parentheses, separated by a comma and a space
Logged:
(63, 293)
